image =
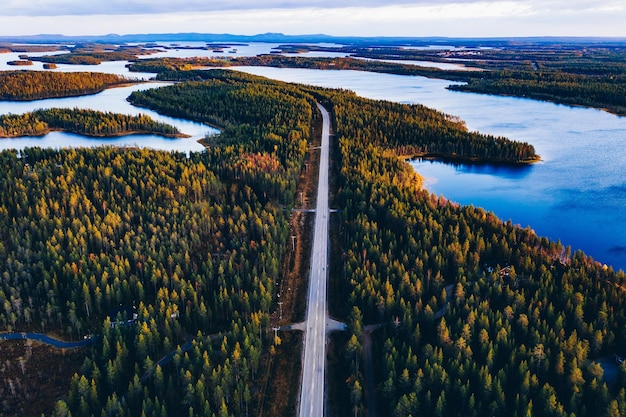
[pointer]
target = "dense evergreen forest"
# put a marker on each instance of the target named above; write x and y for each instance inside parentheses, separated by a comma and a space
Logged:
(192, 243)
(83, 122)
(479, 317)
(37, 85)
(405, 130)
(604, 92)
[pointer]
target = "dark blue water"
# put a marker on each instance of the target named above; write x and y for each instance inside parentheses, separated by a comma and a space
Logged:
(576, 194)
(582, 217)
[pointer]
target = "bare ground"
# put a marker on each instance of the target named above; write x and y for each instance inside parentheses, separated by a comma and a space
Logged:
(34, 376)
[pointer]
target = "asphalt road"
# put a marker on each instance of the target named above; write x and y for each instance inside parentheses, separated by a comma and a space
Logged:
(46, 339)
(313, 369)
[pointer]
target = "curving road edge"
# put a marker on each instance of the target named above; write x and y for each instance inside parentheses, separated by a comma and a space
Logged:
(60, 344)
(313, 366)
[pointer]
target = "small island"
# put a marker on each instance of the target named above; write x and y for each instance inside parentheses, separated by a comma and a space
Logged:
(20, 63)
(83, 122)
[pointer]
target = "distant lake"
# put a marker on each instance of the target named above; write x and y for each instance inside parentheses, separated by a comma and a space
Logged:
(183, 50)
(427, 64)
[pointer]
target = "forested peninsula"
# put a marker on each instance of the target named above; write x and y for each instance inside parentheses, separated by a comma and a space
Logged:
(37, 85)
(403, 129)
(162, 253)
(83, 122)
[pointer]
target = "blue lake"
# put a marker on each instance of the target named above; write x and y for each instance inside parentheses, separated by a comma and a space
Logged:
(111, 100)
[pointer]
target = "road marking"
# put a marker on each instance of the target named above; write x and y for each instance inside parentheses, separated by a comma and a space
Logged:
(313, 369)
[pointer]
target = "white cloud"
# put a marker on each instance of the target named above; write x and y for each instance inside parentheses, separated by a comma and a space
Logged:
(121, 7)
(578, 6)
(454, 18)
(453, 11)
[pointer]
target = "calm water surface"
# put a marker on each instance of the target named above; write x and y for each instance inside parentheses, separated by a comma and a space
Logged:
(251, 49)
(113, 100)
(427, 64)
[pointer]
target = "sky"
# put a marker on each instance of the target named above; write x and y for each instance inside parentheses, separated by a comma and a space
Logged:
(452, 18)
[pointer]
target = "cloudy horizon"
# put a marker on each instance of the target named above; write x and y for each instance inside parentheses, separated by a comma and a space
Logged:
(452, 18)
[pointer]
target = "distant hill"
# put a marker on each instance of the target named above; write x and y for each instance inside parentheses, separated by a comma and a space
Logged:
(311, 38)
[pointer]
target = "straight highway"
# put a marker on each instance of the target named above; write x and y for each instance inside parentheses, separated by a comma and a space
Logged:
(313, 367)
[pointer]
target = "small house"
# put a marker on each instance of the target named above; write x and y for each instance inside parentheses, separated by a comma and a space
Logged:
(123, 315)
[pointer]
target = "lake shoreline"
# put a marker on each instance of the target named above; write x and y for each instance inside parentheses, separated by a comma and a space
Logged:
(197, 120)
(121, 85)
(452, 159)
(464, 88)
(112, 136)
